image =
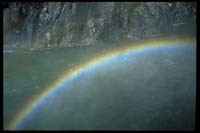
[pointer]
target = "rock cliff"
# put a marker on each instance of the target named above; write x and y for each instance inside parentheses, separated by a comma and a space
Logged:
(60, 24)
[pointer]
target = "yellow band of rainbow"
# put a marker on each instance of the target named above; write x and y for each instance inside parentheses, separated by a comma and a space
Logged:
(36, 99)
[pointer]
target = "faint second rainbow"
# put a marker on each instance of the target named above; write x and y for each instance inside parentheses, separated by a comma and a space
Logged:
(37, 99)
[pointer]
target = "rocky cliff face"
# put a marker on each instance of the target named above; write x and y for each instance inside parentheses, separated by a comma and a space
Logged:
(57, 24)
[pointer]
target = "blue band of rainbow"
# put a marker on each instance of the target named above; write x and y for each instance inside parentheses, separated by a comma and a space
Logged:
(37, 99)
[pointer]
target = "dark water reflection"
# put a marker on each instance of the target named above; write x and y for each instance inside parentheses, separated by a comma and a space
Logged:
(151, 92)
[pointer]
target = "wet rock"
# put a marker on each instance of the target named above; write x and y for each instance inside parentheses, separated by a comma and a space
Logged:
(60, 24)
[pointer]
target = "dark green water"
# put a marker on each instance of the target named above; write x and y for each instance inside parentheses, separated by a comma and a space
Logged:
(155, 91)
(25, 73)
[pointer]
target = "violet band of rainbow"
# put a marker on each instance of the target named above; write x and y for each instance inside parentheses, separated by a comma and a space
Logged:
(69, 74)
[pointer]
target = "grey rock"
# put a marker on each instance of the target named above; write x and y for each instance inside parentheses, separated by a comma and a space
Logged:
(60, 24)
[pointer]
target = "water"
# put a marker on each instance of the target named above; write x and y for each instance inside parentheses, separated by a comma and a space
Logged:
(155, 90)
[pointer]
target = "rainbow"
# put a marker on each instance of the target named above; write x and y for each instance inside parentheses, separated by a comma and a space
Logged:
(39, 98)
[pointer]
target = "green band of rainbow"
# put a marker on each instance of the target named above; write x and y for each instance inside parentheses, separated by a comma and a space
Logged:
(36, 99)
